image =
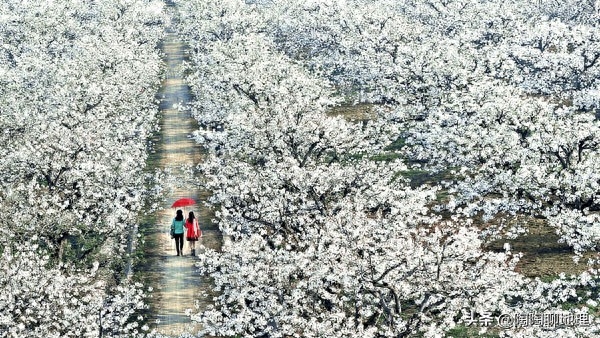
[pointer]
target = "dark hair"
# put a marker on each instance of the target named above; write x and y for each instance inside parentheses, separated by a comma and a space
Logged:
(179, 216)
(191, 216)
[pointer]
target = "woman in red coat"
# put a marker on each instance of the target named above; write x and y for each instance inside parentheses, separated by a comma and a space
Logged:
(193, 232)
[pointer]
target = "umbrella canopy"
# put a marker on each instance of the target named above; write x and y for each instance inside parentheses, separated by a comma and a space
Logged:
(183, 202)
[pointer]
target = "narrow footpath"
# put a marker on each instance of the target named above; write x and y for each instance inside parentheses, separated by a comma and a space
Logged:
(179, 289)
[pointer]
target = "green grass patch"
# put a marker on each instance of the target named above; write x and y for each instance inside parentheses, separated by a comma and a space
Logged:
(463, 331)
(543, 255)
(396, 145)
(419, 177)
(385, 157)
(144, 264)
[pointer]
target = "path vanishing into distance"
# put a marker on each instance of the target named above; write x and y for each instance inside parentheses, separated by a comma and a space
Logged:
(178, 286)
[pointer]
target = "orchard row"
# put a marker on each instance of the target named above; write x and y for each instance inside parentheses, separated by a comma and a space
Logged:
(77, 90)
(327, 236)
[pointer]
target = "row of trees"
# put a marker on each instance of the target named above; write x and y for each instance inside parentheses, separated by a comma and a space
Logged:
(77, 96)
(328, 239)
(509, 99)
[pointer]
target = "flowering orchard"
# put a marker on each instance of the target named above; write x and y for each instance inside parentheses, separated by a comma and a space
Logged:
(77, 95)
(328, 236)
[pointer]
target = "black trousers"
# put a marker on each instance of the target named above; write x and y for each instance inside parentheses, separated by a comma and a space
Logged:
(179, 243)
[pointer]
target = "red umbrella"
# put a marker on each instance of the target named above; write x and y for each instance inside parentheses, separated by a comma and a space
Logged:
(183, 202)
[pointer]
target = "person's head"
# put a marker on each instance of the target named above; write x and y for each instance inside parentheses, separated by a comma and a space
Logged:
(191, 216)
(179, 216)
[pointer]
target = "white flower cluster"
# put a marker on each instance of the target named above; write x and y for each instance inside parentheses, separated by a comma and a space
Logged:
(329, 240)
(77, 90)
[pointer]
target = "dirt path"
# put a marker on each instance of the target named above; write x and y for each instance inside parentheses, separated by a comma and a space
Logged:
(178, 288)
